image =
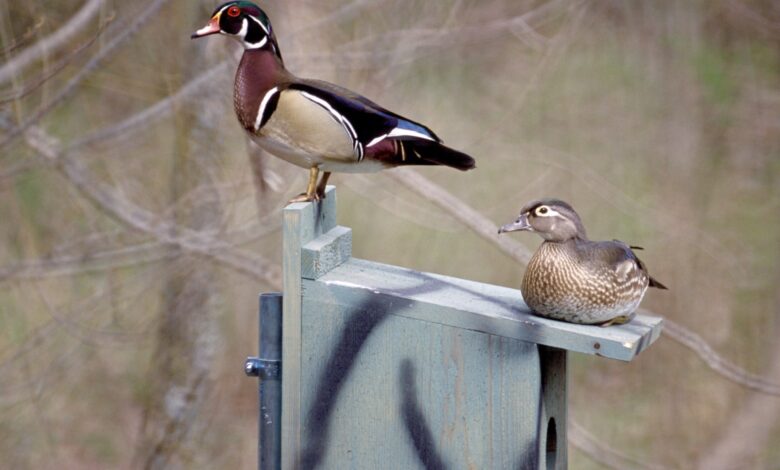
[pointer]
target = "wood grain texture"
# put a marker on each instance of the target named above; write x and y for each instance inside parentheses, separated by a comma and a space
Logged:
(326, 252)
(303, 222)
(483, 307)
(382, 390)
(385, 367)
(291, 335)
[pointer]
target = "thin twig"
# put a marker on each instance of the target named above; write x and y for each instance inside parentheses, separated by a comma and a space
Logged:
(719, 364)
(485, 228)
(582, 439)
(113, 204)
(461, 212)
(26, 37)
(749, 430)
(119, 38)
(157, 111)
(59, 66)
(47, 45)
(125, 257)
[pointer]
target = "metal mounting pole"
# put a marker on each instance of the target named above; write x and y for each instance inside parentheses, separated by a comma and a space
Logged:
(268, 368)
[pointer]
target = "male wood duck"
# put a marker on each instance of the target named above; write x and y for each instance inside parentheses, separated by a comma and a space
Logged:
(574, 279)
(315, 124)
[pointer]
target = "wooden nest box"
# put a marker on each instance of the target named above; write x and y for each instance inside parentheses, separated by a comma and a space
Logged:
(386, 367)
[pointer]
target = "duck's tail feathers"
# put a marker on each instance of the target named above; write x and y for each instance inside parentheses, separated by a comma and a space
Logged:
(656, 284)
(439, 154)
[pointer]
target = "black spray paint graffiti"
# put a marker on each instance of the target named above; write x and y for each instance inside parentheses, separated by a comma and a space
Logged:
(364, 320)
(414, 420)
(356, 331)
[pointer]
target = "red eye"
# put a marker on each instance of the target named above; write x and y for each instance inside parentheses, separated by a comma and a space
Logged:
(233, 11)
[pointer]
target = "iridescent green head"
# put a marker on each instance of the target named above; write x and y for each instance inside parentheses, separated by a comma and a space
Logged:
(244, 21)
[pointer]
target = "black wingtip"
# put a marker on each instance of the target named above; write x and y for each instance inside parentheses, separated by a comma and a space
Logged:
(442, 155)
(657, 285)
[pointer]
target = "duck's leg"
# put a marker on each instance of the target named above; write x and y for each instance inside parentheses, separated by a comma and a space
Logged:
(311, 188)
(323, 184)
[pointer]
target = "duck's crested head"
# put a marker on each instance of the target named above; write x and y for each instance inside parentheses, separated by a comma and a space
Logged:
(244, 21)
(553, 219)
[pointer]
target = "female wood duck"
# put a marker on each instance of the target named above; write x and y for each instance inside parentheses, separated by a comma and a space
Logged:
(314, 124)
(574, 279)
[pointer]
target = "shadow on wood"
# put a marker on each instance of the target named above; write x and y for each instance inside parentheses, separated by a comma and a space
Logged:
(385, 366)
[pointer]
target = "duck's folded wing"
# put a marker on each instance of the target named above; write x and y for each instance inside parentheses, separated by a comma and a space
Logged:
(623, 259)
(367, 121)
(375, 132)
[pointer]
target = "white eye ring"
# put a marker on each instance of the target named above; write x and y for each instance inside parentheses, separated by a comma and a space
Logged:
(546, 211)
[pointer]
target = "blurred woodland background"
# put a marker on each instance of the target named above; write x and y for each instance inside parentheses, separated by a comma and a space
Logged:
(137, 225)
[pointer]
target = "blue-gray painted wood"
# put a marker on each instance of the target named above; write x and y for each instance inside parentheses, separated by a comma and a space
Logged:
(481, 307)
(385, 367)
(326, 252)
(382, 390)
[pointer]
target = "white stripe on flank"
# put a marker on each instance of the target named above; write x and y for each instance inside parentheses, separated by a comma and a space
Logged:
(349, 125)
(336, 115)
(399, 132)
(263, 105)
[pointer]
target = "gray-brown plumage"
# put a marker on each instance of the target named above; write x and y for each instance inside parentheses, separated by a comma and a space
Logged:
(574, 279)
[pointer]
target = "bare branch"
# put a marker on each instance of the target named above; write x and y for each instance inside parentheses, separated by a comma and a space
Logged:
(600, 452)
(486, 229)
(344, 12)
(120, 34)
(61, 64)
(722, 366)
(154, 112)
(749, 429)
(47, 45)
(114, 205)
(117, 207)
(124, 128)
(87, 263)
(124, 257)
(26, 37)
(411, 44)
(461, 211)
